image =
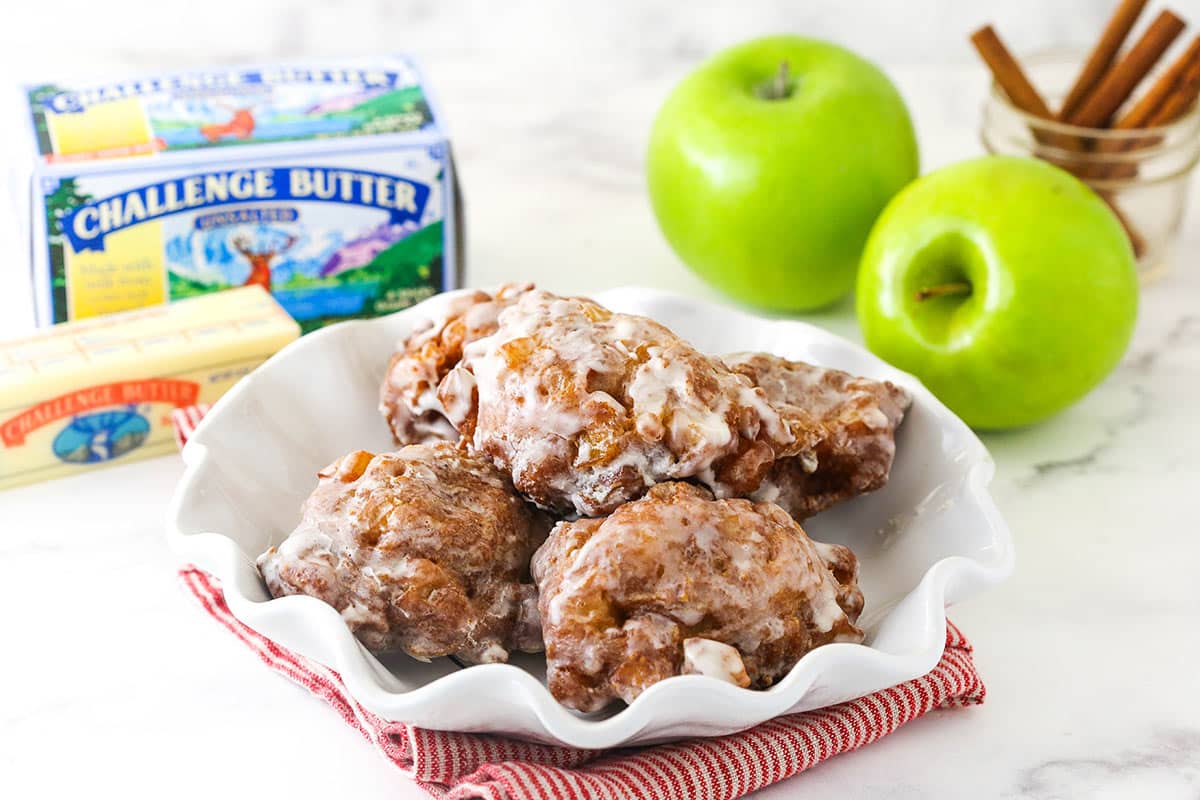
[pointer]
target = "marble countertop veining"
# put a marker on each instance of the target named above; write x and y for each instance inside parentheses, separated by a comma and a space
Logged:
(1089, 652)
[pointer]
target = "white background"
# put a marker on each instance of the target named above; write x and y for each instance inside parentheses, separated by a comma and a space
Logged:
(114, 683)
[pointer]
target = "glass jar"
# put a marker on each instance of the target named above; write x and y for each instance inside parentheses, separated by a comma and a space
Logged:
(1142, 174)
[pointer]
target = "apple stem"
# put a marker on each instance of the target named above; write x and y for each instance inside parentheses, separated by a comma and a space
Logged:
(780, 86)
(943, 290)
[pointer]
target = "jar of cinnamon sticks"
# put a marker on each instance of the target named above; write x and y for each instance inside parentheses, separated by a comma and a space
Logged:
(1124, 120)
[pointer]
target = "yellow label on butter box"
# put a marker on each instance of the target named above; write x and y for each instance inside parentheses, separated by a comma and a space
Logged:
(100, 128)
(100, 391)
(128, 275)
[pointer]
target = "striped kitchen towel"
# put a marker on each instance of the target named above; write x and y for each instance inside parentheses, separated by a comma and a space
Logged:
(464, 765)
(185, 420)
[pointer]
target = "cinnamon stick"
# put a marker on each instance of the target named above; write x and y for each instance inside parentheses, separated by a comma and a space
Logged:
(1183, 98)
(1143, 112)
(1120, 81)
(1008, 73)
(1136, 240)
(1012, 79)
(1167, 100)
(1102, 56)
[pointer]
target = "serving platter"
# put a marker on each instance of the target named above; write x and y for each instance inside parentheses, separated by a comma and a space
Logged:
(932, 537)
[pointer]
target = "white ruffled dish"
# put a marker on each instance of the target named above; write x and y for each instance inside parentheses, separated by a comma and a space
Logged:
(932, 537)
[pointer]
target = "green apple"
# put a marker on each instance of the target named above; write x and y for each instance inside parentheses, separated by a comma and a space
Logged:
(768, 164)
(1006, 285)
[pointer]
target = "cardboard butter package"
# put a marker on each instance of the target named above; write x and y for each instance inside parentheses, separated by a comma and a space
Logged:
(101, 391)
(331, 184)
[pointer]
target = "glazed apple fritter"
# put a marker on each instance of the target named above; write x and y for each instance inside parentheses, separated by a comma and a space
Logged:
(424, 550)
(408, 397)
(844, 428)
(587, 408)
(678, 582)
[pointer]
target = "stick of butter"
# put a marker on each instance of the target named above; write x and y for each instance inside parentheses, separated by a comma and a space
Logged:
(101, 391)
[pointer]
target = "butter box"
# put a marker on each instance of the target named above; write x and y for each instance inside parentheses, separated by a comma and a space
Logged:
(331, 184)
(101, 391)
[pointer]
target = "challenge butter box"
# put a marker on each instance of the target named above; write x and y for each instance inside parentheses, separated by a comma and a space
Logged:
(329, 183)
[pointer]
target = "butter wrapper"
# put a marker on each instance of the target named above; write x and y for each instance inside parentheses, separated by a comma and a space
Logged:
(328, 183)
(96, 392)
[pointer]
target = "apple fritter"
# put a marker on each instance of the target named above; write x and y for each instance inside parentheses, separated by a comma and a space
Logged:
(587, 408)
(844, 429)
(424, 550)
(408, 397)
(679, 582)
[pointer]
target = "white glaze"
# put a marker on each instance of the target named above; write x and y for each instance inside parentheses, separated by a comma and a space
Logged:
(714, 659)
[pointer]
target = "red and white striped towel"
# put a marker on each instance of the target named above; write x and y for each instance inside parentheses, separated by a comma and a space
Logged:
(462, 765)
(185, 420)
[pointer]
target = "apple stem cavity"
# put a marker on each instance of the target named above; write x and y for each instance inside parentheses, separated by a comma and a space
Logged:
(943, 290)
(780, 86)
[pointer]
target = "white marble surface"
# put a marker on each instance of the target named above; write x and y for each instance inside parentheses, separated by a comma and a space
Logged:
(114, 681)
